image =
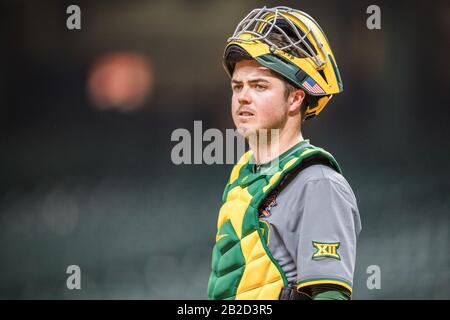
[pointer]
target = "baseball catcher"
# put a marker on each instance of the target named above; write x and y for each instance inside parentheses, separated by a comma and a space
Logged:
(287, 229)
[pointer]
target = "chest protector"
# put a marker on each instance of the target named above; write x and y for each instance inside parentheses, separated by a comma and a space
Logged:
(242, 265)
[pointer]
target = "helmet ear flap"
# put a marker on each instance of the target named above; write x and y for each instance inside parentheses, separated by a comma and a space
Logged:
(311, 103)
(315, 105)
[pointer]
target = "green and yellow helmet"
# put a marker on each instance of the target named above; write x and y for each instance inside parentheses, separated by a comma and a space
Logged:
(292, 44)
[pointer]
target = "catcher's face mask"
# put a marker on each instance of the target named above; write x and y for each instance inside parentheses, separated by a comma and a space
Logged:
(292, 44)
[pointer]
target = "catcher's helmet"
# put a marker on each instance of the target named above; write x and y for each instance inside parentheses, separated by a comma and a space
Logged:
(292, 44)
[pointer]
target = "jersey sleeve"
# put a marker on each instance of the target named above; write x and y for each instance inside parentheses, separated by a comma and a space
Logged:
(327, 234)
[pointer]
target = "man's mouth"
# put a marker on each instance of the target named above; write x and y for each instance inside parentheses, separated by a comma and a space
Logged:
(245, 113)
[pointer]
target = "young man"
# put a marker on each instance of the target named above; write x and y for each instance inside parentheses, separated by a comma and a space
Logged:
(287, 229)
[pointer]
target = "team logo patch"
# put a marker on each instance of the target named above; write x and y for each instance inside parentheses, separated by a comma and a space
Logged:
(268, 203)
(326, 250)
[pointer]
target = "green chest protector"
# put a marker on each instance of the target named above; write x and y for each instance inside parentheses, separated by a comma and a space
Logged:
(242, 265)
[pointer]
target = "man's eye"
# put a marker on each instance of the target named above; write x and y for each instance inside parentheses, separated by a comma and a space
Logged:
(260, 87)
(236, 88)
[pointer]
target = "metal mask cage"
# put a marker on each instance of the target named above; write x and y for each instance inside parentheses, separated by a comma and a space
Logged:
(259, 27)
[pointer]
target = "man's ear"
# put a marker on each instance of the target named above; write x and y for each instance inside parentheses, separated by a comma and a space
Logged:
(295, 100)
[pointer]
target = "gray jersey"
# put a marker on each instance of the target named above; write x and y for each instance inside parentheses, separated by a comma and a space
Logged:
(313, 227)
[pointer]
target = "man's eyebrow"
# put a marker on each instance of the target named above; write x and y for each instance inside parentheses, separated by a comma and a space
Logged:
(250, 81)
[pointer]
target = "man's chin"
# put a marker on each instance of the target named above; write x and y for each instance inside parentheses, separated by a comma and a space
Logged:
(246, 132)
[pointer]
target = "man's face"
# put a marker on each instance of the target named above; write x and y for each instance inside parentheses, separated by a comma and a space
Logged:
(258, 100)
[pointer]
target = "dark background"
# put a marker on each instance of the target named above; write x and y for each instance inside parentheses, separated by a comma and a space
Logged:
(96, 187)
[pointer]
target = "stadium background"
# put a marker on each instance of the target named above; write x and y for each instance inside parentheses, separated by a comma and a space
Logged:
(86, 176)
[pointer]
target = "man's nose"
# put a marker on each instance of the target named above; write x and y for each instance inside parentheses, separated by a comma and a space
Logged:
(244, 96)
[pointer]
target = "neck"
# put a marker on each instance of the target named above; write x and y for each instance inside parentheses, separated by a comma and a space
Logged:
(270, 144)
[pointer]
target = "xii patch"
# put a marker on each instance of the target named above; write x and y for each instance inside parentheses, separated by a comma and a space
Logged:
(326, 250)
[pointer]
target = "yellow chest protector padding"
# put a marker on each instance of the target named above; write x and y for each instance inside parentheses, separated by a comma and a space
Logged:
(242, 265)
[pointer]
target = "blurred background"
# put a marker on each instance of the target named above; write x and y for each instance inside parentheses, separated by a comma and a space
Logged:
(86, 117)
